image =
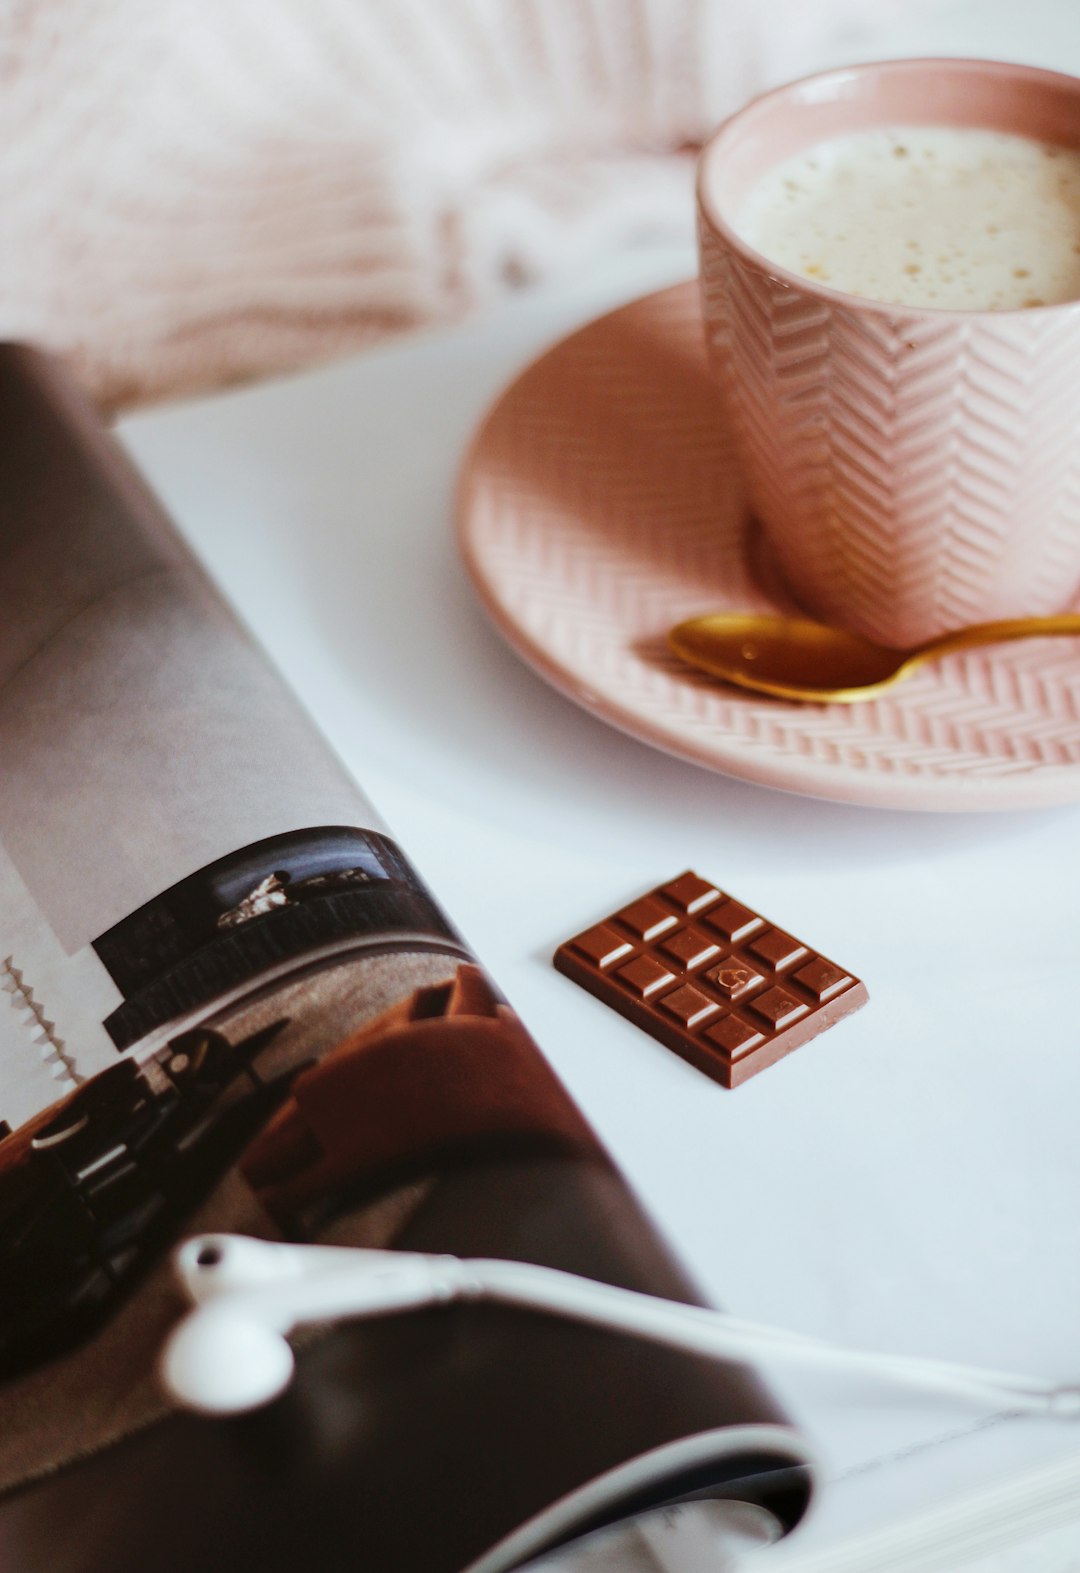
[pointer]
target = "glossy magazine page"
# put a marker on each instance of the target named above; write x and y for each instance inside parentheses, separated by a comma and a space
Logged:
(229, 1004)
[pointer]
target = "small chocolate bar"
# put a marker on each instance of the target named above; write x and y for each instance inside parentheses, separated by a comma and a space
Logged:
(713, 980)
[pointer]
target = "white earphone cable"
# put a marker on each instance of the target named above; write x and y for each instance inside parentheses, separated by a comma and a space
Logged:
(712, 1332)
(269, 1289)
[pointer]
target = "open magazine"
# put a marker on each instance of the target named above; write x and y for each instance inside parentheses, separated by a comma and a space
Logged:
(229, 1004)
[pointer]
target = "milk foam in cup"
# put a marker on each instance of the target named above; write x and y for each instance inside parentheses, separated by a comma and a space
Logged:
(950, 217)
(891, 295)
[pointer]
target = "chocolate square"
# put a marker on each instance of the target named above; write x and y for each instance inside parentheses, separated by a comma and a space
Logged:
(690, 948)
(690, 894)
(734, 1037)
(602, 945)
(645, 975)
(647, 918)
(822, 979)
(733, 921)
(733, 978)
(777, 948)
(689, 1006)
(777, 1008)
(730, 1008)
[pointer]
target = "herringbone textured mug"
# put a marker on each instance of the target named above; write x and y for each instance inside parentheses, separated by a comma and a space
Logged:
(915, 470)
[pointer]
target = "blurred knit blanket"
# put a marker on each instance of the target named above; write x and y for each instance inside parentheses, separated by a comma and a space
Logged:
(200, 191)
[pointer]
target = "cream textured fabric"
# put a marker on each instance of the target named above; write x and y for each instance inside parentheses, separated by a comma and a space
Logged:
(197, 191)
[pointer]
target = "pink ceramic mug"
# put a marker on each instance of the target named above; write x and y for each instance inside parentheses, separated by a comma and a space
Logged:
(915, 470)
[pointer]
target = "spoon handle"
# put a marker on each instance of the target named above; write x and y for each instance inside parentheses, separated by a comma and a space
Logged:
(997, 633)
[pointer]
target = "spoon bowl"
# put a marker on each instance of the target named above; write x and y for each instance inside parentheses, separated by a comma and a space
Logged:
(794, 658)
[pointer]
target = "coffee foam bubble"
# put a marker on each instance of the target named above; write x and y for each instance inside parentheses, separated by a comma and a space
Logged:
(946, 217)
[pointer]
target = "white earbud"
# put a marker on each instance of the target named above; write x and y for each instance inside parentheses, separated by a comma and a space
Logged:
(223, 1364)
(214, 1264)
(231, 1352)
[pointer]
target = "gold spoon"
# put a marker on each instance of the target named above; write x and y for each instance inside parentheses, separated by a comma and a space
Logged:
(793, 658)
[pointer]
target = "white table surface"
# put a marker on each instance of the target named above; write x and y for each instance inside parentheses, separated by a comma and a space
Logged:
(909, 1181)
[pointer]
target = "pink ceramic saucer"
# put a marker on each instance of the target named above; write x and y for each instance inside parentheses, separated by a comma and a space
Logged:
(600, 503)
